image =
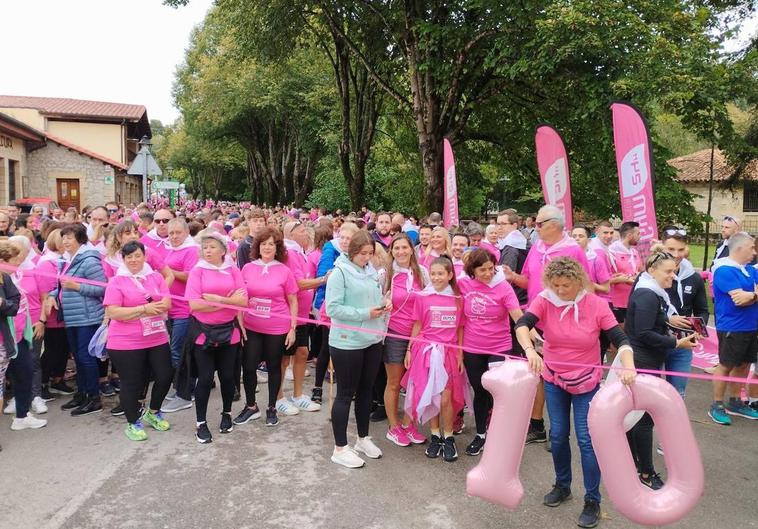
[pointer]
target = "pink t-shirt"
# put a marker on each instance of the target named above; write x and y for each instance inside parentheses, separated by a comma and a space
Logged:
(440, 318)
(112, 263)
(267, 291)
(296, 262)
(491, 248)
(601, 268)
(158, 246)
(402, 316)
(183, 260)
(312, 261)
(30, 300)
(623, 263)
(487, 315)
(536, 261)
(148, 331)
(47, 272)
(569, 341)
(220, 282)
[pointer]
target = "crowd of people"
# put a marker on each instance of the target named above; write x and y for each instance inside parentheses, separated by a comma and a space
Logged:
(394, 308)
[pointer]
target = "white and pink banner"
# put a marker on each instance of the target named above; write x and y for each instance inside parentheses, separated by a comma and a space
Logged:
(450, 215)
(552, 162)
(635, 171)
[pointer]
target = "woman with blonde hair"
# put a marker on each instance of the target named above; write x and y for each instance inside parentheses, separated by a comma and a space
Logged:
(439, 244)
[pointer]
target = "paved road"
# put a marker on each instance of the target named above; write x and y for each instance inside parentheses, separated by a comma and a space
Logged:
(83, 473)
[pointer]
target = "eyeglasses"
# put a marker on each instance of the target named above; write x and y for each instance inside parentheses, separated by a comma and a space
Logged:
(540, 223)
(112, 210)
(161, 221)
(673, 231)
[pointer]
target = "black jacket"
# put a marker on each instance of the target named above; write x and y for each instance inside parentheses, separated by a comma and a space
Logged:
(695, 302)
(646, 325)
(243, 252)
(11, 298)
(514, 258)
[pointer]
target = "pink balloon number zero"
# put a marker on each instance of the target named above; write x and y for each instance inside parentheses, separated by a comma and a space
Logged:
(684, 482)
(496, 478)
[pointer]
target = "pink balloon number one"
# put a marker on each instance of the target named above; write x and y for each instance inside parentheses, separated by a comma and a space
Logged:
(684, 482)
(496, 477)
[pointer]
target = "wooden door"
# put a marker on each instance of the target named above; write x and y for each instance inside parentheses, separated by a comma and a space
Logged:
(68, 193)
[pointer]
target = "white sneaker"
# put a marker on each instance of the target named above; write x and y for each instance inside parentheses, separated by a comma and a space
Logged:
(288, 374)
(347, 458)
(30, 421)
(262, 376)
(10, 409)
(307, 372)
(38, 405)
(367, 446)
(284, 407)
(305, 403)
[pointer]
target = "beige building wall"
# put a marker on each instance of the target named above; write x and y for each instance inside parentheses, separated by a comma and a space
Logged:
(103, 138)
(16, 151)
(30, 116)
(725, 201)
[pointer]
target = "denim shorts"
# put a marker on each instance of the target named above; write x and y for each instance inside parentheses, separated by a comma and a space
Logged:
(395, 349)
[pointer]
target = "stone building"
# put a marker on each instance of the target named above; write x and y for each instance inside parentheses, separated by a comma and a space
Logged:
(76, 152)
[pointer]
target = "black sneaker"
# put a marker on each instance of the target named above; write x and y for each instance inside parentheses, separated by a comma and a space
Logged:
(46, 395)
(271, 418)
(449, 451)
(116, 384)
(203, 434)
(78, 400)
(435, 447)
(754, 405)
(61, 388)
(119, 411)
(590, 514)
(536, 436)
(557, 496)
(379, 414)
(317, 395)
(226, 425)
(237, 396)
(247, 415)
(653, 481)
(89, 406)
(106, 390)
(476, 446)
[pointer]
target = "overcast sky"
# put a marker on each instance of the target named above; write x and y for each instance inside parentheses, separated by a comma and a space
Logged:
(123, 51)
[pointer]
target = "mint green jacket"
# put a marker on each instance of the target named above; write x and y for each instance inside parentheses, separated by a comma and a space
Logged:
(351, 293)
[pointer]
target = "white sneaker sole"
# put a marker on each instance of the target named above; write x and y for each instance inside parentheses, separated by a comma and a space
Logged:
(18, 428)
(372, 456)
(347, 465)
(395, 441)
(735, 414)
(180, 408)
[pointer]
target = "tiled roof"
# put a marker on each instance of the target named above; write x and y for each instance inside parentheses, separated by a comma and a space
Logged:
(696, 167)
(67, 144)
(60, 106)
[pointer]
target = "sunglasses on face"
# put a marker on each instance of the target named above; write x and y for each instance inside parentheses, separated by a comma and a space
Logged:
(161, 221)
(112, 211)
(540, 223)
(730, 219)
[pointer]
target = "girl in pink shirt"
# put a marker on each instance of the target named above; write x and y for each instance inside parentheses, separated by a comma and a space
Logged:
(572, 320)
(435, 382)
(270, 321)
(489, 303)
(137, 301)
(123, 233)
(439, 244)
(214, 335)
(404, 280)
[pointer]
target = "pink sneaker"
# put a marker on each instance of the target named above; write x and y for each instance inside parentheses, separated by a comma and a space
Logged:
(397, 435)
(413, 435)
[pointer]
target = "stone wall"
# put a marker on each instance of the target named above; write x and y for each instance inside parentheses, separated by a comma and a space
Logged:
(45, 165)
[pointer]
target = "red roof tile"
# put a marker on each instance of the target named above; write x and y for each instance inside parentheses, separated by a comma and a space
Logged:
(75, 107)
(86, 152)
(696, 167)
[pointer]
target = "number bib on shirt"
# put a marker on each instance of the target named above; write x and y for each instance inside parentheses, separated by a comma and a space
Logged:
(152, 325)
(444, 317)
(261, 307)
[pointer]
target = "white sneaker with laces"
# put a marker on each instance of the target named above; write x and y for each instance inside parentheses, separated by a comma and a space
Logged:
(347, 458)
(305, 403)
(28, 422)
(367, 446)
(284, 407)
(288, 374)
(38, 405)
(10, 408)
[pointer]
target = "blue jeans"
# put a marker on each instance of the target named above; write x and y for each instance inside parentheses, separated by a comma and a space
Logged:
(679, 360)
(559, 403)
(179, 328)
(87, 372)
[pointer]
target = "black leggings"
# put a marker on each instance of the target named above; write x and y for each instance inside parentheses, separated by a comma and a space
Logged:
(322, 364)
(210, 359)
(269, 347)
(640, 437)
(476, 365)
(55, 357)
(356, 372)
(134, 367)
(316, 338)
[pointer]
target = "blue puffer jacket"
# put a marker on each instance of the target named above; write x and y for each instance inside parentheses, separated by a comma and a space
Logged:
(85, 306)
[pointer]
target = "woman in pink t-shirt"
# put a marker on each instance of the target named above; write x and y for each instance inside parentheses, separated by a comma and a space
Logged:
(571, 320)
(214, 335)
(434, 367)
(439, 244)
(404, 280)
(124, 232)
(488, 301)
(136, 302)
(270, 321)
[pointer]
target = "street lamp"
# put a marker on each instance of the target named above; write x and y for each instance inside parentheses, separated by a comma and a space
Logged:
(145, 145)
(144, 164)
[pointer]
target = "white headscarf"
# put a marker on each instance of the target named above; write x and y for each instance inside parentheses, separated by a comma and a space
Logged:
(266, 266)
(685, 270)
(515, 239)
(547, 251)
(553, 298)
(647, 281)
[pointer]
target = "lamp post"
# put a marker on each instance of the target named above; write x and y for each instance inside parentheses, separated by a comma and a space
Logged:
(145, 145)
